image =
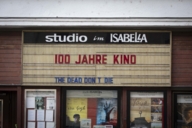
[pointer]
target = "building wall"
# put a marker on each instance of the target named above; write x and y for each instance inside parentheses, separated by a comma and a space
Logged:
(10, 58)
(10, 65)
(182, 59)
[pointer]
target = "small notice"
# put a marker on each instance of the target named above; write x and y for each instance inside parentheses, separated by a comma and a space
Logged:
(49, 115)
(31, 102)
(40, 115)
(86, 123)
(50, 125)
(50, 103)
(98, 126)
(31, 115)
(31, 125)
(109, 126)
(40, 124)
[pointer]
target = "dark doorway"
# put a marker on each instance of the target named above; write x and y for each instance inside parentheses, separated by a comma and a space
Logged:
(9, 106)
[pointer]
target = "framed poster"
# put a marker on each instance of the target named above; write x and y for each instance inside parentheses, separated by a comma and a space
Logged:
(92, 108)
(1, 113)
(183, 110)
(147, 109)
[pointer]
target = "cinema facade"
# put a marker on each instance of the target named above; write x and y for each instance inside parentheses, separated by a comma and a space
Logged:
(110, 78)
(95, 72)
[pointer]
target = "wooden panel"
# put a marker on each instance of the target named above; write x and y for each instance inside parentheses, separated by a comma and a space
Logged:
(152, 66)
(178, 42)
(10, 51)
(182, 74)
(169, 108)
(8, 78)
(8, 82)
(58, 109)
(182, 70)
(6, 66)
(124, 109)
(13, 46)
(9, 35)
(182, 66)
(182, 59)
(9, 74)
(10, 58)
(182, 52)
(183, 56)
(182, 79)
(13, 69)
(19, 107)
(181, 36)
(10, 42)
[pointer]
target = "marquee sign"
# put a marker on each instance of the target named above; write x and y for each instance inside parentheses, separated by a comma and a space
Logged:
(97, 37)
(97, 58)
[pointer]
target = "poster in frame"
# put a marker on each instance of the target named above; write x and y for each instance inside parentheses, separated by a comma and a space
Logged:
(147, 109)
(183, 110)
(95, 104)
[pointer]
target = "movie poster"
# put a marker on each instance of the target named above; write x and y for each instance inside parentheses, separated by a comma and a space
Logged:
(107, 111)
(77, 106)
(146, 109)
(184, 111)
(40, 102)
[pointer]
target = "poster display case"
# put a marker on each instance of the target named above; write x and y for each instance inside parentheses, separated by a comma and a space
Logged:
(92, 109)
(147, 109)
(40, 108)
(183, 110)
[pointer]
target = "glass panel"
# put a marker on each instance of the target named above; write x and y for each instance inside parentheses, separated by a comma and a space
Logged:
(146, 109)
(184, 111)
(91, 109)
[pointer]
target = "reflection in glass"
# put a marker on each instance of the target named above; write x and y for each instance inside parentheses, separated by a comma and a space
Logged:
(184, 111)
(146, 109)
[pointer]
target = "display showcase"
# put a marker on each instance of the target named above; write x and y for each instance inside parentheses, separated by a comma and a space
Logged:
(92, 109)
(146, 109)
(183, 110)
(40, 108)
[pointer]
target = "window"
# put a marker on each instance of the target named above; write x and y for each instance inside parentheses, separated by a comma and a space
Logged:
(92, 109)
(146, 109)
(183, 110)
